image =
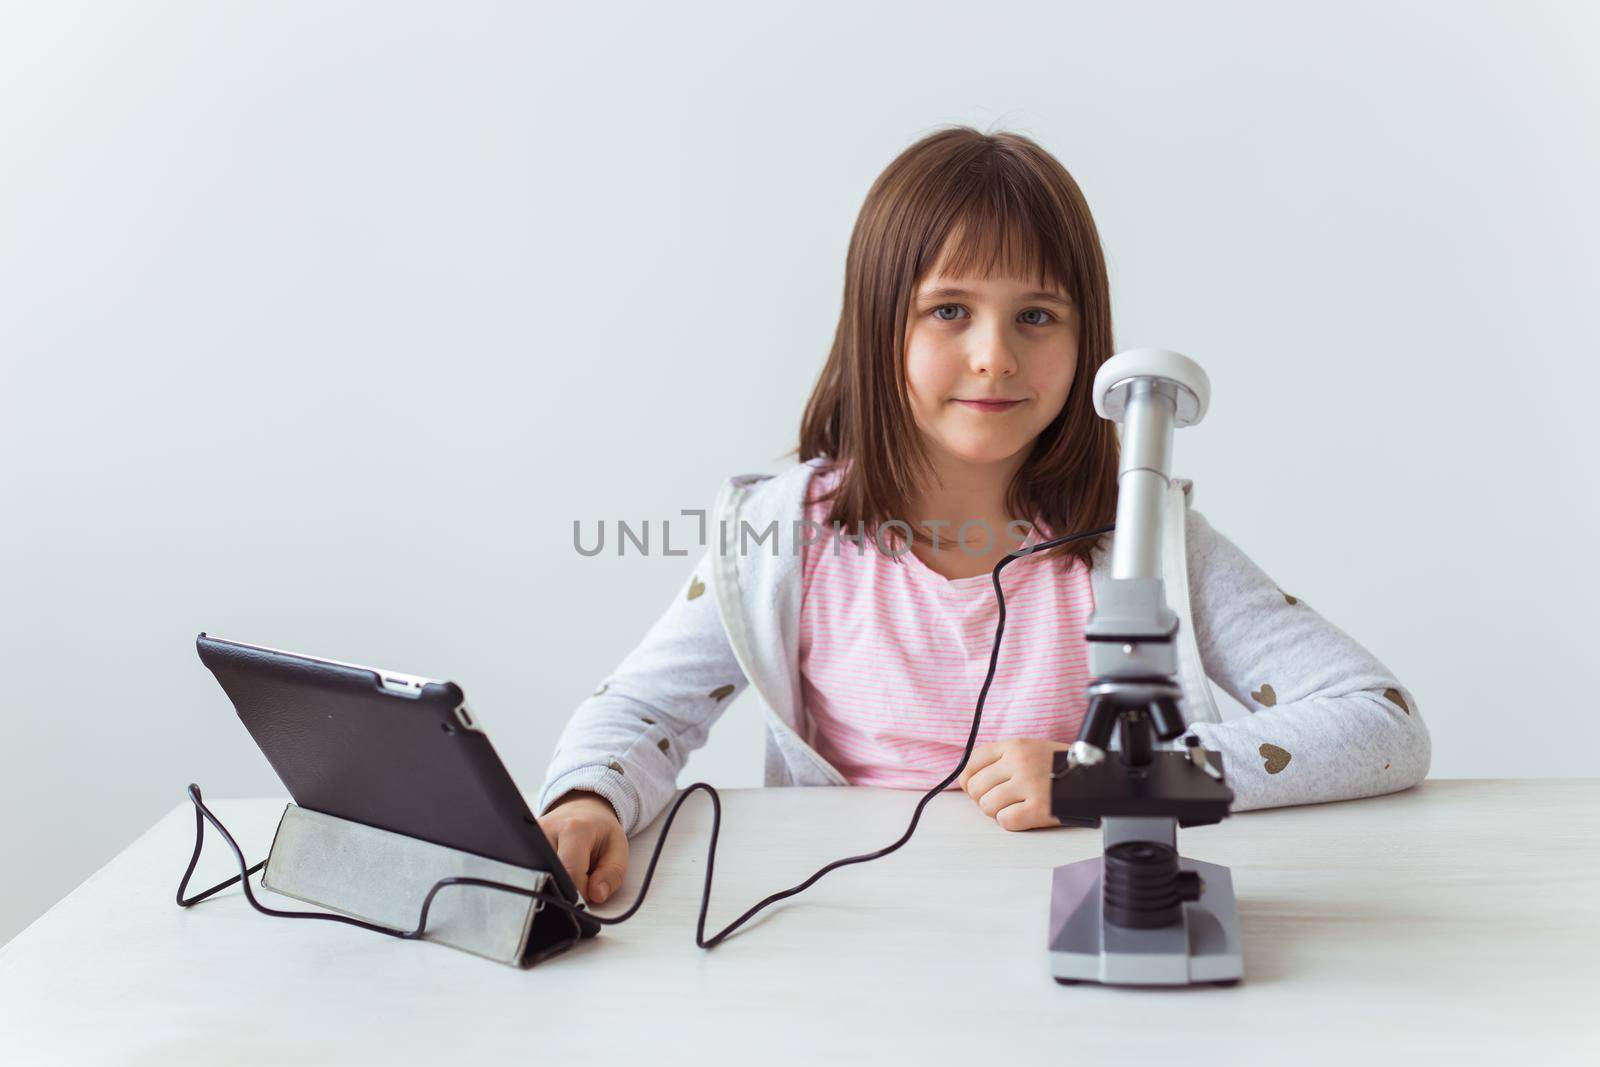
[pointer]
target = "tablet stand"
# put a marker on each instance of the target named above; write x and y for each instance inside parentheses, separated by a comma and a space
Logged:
(382, 880)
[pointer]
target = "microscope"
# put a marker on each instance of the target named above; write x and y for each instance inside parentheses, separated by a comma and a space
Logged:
(1140, 914)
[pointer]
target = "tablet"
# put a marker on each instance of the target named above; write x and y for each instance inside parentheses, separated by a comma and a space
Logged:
(391, 750)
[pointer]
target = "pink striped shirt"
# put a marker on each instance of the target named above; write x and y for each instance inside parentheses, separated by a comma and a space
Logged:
(892, 654)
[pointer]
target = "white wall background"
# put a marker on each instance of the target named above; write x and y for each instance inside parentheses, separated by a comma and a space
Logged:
(321, 323)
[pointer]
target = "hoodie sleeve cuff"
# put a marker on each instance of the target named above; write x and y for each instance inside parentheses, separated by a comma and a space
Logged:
(595, 778)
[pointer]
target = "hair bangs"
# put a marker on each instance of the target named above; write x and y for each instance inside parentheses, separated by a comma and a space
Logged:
(997, 233)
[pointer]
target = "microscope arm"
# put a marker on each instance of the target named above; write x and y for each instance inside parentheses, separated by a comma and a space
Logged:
(1132, 651)
(1135, 691)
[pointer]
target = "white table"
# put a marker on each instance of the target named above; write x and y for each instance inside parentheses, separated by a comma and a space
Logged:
(1454, 920)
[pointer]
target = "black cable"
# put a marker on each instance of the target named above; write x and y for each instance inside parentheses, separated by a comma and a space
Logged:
(203, 815)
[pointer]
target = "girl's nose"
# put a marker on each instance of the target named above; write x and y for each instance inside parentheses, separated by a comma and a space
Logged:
(992, 356)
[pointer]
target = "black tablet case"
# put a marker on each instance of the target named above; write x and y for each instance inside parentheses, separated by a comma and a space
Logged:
(346, 746)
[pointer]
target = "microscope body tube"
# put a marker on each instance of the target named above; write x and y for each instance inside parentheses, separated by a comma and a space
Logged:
(1142, 479)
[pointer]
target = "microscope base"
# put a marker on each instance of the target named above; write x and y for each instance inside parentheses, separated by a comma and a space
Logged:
(1205, 946)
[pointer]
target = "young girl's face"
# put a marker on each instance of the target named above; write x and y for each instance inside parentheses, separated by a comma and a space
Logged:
(970, 340)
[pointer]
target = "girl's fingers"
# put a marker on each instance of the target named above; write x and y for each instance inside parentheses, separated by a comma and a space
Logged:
(1030, 814)
(981, 757)
(611, 866)
(573, 849)
(988, 778)
(1007, 792)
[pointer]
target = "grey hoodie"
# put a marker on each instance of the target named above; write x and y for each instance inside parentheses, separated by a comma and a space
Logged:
(1328, 721)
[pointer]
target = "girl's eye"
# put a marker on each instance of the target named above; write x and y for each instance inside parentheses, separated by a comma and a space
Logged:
(1030, 311)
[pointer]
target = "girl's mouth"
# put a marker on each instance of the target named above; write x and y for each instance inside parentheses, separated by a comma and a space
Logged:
(989, 405)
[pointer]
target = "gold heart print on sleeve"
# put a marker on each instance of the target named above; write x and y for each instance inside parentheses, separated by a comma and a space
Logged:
(1276, 758)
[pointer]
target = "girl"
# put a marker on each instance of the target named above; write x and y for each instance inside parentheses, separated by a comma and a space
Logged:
(853, 591)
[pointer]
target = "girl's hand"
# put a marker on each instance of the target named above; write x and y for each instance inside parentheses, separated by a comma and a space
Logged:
(1010, 780)
(588, 839)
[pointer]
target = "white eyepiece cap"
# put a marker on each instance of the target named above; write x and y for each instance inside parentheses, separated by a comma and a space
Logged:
(1117, 375)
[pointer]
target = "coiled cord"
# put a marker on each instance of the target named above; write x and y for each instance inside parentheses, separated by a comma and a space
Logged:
(204, 814)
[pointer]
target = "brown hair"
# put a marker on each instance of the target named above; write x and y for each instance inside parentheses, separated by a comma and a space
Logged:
(1009, 204)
